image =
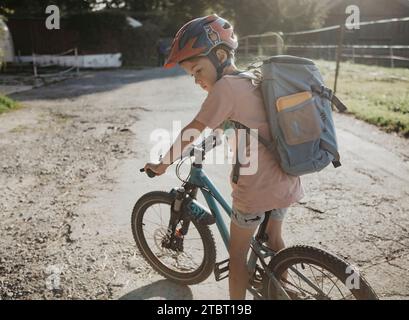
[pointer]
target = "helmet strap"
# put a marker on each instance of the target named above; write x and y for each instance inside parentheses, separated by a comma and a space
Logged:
(219, 66)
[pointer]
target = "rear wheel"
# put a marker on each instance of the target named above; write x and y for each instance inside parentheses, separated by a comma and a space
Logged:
(185, 260)
(310, 273)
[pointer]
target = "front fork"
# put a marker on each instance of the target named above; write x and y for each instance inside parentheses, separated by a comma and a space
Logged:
(174, 237)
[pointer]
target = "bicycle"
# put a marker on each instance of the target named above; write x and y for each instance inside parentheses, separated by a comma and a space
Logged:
(185, 228)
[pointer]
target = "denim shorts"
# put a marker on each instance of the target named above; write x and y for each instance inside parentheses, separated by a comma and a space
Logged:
(253, 220)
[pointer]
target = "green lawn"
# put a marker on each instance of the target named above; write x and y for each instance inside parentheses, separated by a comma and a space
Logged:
(7, 104)
(374, 94)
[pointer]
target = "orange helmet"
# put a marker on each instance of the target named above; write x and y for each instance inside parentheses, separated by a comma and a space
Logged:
(198, 37)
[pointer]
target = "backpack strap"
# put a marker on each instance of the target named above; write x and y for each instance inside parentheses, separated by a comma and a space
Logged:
(255, 77)
(327, 93)
(268, 144)
(326, 146)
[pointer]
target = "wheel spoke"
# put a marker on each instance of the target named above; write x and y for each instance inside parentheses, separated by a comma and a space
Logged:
(186, 261)
(160, 209)
(301, 276)
(155, 223)
(334, 284)
(157, 213)
(312, 272)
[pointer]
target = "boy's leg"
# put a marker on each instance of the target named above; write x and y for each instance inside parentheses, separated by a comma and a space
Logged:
(275, 240)
(240, 239)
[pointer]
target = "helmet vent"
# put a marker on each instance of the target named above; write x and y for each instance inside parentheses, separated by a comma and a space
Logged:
(226, 26)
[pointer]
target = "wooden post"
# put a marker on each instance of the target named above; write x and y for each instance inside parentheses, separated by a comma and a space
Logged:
(392, 57)
(339, 55)
(353, 53)
(34, 65)
(77, 61)
(260, 46)
(279, 45)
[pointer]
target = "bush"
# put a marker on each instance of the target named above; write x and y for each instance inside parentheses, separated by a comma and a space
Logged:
(7, 104)
(97, 32)
(109, 32)
(138, 46)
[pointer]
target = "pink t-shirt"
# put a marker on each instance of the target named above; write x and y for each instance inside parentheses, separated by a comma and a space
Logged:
(268, 187)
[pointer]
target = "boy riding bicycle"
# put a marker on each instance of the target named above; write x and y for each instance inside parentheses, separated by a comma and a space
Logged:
(204, 48)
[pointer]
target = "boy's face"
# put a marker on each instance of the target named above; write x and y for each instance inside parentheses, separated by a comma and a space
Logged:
(202, 70)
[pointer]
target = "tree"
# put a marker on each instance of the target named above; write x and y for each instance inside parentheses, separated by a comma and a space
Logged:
(1, 41)
(249, 17)
(259, 16)
(170, 14)
(37, 7)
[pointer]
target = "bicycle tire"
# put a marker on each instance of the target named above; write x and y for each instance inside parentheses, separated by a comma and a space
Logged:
(310, 255)
(190, 278)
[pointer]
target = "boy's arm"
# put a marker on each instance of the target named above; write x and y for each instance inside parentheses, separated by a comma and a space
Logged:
(186, 137)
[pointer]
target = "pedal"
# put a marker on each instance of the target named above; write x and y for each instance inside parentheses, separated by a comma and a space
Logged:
(221, 270)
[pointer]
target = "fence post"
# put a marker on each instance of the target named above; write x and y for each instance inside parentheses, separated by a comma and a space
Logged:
(279, 44)
(34, 65)
(77, 61)
(260, 48)
(353, 53)
(339, 55)
(392, 60)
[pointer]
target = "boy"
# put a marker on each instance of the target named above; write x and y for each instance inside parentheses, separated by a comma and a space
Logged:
(204, 48)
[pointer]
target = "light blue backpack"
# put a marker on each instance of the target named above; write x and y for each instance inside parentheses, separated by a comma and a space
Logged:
(299, 111)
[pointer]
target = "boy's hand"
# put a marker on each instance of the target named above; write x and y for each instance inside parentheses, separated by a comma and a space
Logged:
(158, 168)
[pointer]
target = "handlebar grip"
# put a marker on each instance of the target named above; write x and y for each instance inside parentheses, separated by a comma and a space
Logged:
(149, 172)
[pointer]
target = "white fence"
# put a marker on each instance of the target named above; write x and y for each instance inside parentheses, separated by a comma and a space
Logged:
(276, 43)
(56, 65)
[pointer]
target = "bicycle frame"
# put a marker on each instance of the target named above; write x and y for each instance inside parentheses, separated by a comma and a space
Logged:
(199, 179)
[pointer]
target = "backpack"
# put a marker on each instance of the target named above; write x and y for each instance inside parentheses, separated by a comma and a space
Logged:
(299, 113)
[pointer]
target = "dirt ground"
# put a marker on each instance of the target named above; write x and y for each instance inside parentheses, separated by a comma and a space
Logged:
(69, 177)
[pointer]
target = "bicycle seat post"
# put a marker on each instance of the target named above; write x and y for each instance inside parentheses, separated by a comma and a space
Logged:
(261, 235)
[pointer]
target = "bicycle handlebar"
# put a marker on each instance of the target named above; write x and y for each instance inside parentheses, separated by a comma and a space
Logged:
(149, 172)
(206, 145)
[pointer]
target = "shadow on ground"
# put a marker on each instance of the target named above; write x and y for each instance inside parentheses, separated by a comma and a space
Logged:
(160, 290)
(90, 82)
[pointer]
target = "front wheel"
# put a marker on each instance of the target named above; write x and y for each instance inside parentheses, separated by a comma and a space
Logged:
(186, 260)
(309, 273)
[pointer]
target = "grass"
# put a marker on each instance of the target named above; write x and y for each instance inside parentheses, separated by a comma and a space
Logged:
(7, 104)
(377, 95)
